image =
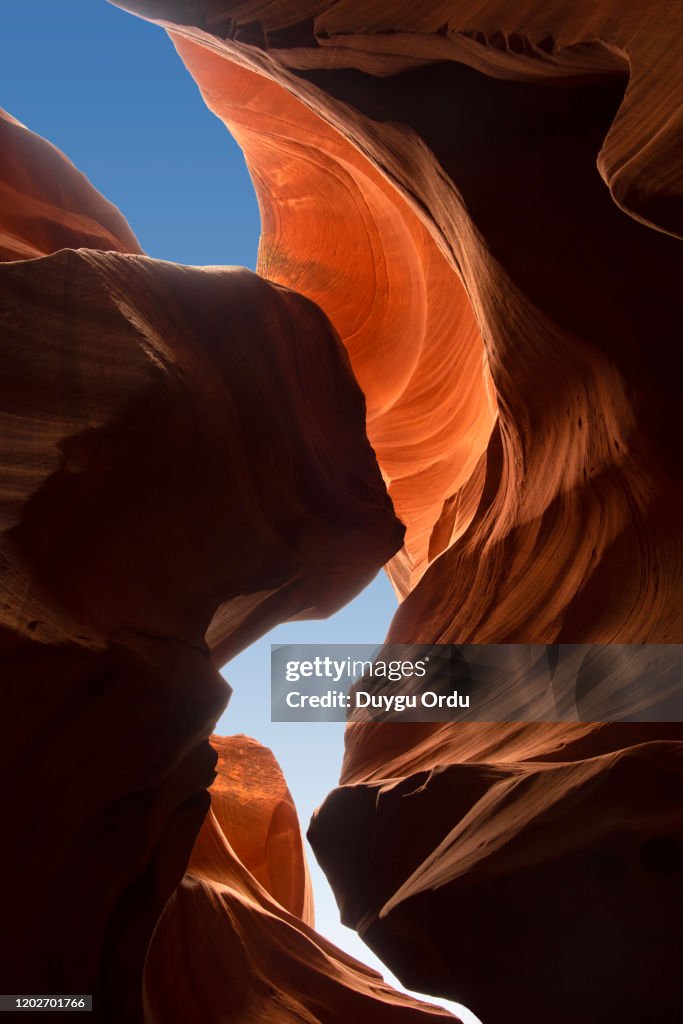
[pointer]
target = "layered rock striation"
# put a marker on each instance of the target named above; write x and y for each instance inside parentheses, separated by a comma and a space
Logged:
(237, 935)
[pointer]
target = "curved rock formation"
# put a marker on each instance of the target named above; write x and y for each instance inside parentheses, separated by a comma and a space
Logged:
(184, 456)
(252, 807)
(184, 419)
(237, 954)
(640, 156)
(546, 858)
(562, 285)
(536, 150)
(46, 204)
(402, 314)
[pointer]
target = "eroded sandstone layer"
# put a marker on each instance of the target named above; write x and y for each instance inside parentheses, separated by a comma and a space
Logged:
(526, 157)
(229, 947)
(402, 313)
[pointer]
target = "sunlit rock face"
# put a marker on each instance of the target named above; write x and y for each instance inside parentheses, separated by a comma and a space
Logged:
(485, 198)
(184, 464)
(368, 260)
(251, 805)
(236, 942)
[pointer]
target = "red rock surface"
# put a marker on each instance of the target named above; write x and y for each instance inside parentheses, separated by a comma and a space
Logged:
(402, 314)
(576, 535)
(46, 203)
(233, 951)
(153, 421)
(564, 40)
(252, 807)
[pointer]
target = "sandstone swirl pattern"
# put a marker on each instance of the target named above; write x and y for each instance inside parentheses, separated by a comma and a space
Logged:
(237, 950)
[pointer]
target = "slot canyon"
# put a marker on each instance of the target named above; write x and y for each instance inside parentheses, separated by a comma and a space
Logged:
(458, 360)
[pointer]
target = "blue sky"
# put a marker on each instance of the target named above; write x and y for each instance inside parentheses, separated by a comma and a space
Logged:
(110, 91)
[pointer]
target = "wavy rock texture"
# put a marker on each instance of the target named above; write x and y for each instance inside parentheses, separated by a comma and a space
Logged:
(184, 463)
(151, 421)
(535, 146)
(408, 156)
(235, 952)
(402, 314)
(253, 808)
